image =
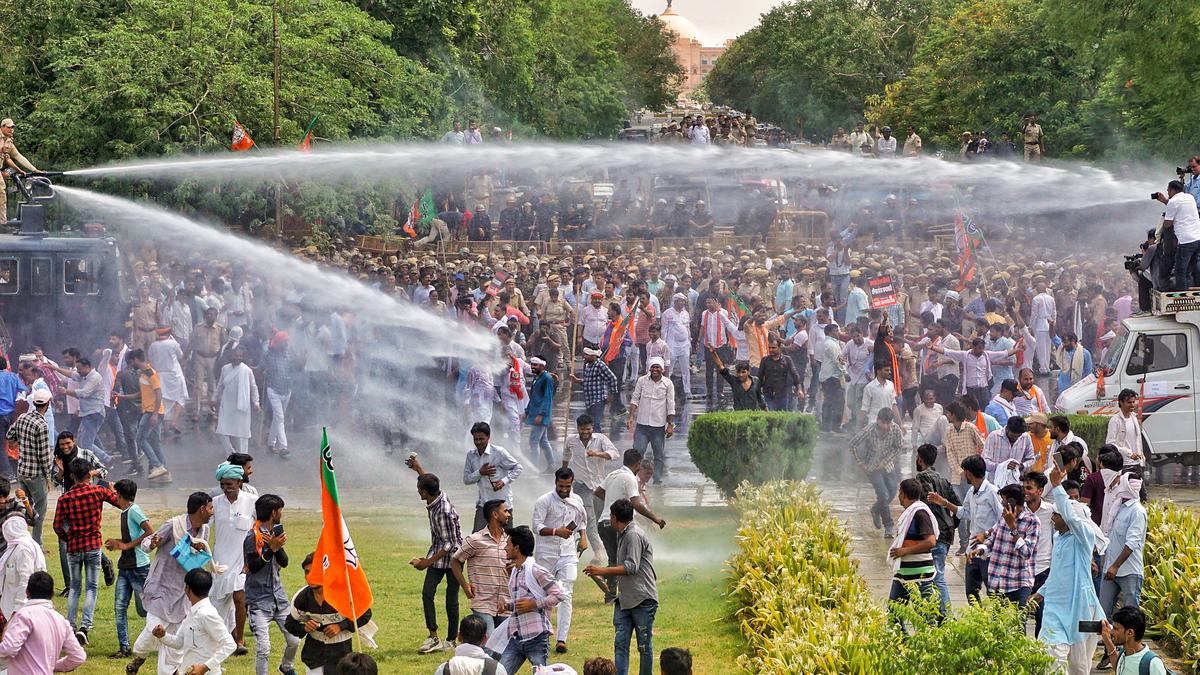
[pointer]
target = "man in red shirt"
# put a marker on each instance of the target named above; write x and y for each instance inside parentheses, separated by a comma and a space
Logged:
(77, 519)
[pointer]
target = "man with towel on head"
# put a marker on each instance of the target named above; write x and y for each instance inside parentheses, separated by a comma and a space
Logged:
(236, 393)
(233, 518)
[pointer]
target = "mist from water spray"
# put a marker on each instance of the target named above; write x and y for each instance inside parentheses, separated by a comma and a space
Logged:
(1021, 189)
(400, 369)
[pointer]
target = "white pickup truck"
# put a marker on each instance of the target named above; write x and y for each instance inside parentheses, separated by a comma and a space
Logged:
(1156, 356)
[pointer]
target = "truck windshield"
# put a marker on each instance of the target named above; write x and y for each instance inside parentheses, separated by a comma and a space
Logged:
(1112, 358)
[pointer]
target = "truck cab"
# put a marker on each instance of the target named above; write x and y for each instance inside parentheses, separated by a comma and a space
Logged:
(1157, 357)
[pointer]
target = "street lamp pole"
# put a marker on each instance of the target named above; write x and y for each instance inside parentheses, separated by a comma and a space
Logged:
(275, 113)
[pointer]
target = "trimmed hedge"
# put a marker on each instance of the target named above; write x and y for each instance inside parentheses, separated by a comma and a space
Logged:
(753, 446)
(1092, 429)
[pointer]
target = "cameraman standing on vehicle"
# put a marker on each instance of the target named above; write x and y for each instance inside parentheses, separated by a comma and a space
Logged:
(1148, 271)
(1182, 219)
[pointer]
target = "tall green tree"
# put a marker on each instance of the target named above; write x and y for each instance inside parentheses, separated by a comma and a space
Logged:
(813, 63)
(982, 68)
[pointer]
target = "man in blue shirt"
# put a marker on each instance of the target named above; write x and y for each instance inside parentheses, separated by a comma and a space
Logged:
(541, 399)
(1193, 183)
(1068, 597)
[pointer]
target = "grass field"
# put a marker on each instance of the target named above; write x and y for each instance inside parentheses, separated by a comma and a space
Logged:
(689, 555)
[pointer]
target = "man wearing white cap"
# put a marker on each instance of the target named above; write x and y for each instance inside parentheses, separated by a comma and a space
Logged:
(34, 464)
(10, 159)
(598, 382)
(652, 414)
(538, 413)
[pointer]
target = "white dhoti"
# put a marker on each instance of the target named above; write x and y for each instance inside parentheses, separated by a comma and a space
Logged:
(168, 659)
(236, 394)
(1042, 350)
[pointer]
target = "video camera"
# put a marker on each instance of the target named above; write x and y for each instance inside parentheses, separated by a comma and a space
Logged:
(1181, 172)
(1133, 262)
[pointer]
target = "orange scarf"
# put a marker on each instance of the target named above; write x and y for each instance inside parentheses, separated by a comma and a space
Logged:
(981, 424)
(1033, 395)
(895, 367)
(259, 537)
(760, 336)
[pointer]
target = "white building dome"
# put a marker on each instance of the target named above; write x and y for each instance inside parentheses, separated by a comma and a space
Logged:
(681, 26)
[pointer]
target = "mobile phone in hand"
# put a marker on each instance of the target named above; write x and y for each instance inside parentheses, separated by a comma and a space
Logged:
(571, 526)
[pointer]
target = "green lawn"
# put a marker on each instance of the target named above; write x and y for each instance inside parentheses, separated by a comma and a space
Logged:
(689, 560)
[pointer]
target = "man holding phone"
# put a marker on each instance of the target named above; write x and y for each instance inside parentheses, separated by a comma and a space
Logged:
(558, 516)
(1071, 611)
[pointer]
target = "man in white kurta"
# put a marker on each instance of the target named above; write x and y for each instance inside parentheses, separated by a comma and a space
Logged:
(677, 333)
(235, 398)
(233, 519)
(558, 520)
(1041, 316)
(165, 355)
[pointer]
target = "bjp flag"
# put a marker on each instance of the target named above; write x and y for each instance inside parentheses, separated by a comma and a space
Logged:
(241, 139)
(336, 565)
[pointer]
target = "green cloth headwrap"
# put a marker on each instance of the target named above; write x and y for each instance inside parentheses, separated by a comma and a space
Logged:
(227, 470)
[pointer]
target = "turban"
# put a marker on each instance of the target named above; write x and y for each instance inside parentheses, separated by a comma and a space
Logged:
(227, 470)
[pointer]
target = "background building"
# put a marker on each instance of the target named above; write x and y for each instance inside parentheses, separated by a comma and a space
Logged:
(695, 58)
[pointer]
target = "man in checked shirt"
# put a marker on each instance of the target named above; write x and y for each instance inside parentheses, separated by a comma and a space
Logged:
(77, 519)
(445, 534)
(35, 463)
(1011, 545)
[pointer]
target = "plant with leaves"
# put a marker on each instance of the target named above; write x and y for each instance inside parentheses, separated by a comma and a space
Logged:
(754, 446)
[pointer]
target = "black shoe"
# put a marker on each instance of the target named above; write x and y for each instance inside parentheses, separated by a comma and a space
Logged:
(82, 637)
(1105, 663)
(64, 592)
(122, 653)
(106, 566)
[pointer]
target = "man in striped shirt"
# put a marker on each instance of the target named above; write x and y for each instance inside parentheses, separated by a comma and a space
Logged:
(717, 334)
(915, 555)
(1012, 544)
(445, 538)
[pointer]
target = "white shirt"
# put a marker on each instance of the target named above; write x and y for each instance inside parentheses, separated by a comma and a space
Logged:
(595, 321)
(858, 360)
(699, 135)
(554, 512)
(675, 328)
(1126, 433)
(886, 147)
(655, 401)
(878, 396)
(620, 484)
(201, 638)
(800, 338)
(924, 418)
(1045, 547)
(230, 524)
(589, 471)
(1181, 209)
(1041, 311)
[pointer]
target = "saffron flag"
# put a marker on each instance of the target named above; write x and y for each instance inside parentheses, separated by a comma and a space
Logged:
(736, 307)
(336, 565)
(616, 334)
(420, 218)
(306, 144)
(968, 240)
(241, 139)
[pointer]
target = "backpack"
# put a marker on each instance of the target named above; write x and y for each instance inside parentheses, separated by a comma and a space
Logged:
(1146, 662)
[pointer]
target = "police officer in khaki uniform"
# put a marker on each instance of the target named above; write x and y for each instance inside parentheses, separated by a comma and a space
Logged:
(11, 161)
(1035, 140)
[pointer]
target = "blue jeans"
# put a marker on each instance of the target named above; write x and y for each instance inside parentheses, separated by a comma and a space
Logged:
(149, 439)
(656, 438)
(112, 422)
(885, 484)
(899, 591)
(596, 412)
(640, 621)
(1187, 265)
(976, 577)
(939, 552)
(780, 402)
(260, 626)
(535, 650)
(129, 583)
(1129, 587)
(79, 564)
(89, 435)
(539, 443)
(1018, 597)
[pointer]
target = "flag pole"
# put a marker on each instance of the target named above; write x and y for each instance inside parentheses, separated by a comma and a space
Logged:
(354, 612)
(576, 336)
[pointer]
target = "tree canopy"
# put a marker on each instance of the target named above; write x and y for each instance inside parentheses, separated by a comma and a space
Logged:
(101, 80)
(1107, 79)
